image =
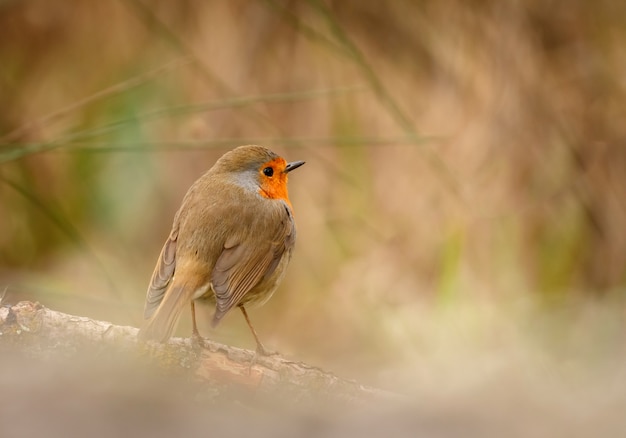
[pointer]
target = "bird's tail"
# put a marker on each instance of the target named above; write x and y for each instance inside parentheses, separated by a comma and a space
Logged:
(160, 326)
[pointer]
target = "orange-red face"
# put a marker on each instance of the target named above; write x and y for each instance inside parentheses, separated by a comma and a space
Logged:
(273, 177)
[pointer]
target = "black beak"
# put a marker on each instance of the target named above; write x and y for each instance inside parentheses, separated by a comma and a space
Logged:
(293, 165)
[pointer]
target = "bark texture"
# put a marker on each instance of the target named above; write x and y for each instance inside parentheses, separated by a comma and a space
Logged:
(215, 369)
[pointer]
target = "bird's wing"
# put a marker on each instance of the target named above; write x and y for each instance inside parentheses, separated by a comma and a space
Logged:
(242, 264)
(163, 273)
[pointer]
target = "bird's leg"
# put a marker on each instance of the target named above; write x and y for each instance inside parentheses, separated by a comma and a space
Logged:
(260, 349)
(195, 334)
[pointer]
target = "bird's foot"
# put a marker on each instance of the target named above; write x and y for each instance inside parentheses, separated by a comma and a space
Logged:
(262, 351)
(197, 339)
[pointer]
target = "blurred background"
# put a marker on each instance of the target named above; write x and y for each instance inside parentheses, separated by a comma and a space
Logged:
(462, 212)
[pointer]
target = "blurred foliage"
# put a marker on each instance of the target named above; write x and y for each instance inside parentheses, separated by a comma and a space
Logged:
(464, 156)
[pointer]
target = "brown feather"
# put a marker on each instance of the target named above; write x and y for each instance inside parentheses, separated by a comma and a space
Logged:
(242, 266)
(162, 275)
(188, 281)
(231, 284)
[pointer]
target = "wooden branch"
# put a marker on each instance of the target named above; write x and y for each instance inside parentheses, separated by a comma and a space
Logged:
(42, 334)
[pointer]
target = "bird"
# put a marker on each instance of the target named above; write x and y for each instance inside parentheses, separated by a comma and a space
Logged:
(231, 241)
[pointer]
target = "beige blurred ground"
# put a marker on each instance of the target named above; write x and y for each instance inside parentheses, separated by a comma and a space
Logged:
(461, 216)
(95, 397)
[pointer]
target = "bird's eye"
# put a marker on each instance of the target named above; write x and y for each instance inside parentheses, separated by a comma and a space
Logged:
(268, 171)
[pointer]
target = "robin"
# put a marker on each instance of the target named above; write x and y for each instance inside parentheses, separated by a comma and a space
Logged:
(230, 243)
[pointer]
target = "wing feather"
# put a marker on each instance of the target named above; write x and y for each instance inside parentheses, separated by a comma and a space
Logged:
(162, 275)
(242, 264)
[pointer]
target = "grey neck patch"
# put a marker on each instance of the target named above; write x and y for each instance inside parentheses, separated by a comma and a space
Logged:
(247, 179)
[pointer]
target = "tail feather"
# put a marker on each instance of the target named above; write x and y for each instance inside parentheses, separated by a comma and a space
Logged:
(160, 326)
